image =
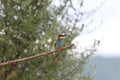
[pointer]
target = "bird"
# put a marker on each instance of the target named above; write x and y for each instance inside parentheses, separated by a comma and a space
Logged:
(59, 44)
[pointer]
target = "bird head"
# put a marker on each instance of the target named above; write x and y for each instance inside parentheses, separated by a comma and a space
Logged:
(61, 36)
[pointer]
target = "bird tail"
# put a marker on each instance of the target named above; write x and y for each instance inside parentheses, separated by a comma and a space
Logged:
(56, 56)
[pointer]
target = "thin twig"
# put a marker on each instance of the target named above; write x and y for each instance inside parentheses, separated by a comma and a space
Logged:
(35, 56)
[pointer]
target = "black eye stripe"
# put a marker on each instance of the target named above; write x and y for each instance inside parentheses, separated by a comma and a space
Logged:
(61, 35)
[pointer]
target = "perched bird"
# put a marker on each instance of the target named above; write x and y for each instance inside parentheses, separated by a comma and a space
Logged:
(59, 43)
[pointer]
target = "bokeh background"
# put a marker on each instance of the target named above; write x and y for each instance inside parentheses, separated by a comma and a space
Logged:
(107, 57)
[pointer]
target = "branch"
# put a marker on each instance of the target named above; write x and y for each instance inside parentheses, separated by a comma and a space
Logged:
(35, 56)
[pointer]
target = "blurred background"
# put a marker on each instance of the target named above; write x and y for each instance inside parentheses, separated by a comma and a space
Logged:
(107, 57)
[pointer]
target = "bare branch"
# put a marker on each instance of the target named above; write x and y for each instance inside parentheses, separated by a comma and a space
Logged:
(35, 56)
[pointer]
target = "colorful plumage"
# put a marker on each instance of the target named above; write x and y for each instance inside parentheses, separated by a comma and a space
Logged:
(59, 43)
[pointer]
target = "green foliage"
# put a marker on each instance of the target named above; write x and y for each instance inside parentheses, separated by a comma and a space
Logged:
(29, 27)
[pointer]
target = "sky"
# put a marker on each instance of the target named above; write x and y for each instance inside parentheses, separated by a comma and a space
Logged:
(110, 46)
(108, 32)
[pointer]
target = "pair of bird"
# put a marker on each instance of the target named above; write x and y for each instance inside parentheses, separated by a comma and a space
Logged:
(58, 44)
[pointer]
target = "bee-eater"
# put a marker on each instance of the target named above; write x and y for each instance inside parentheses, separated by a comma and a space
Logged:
(59, 43)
